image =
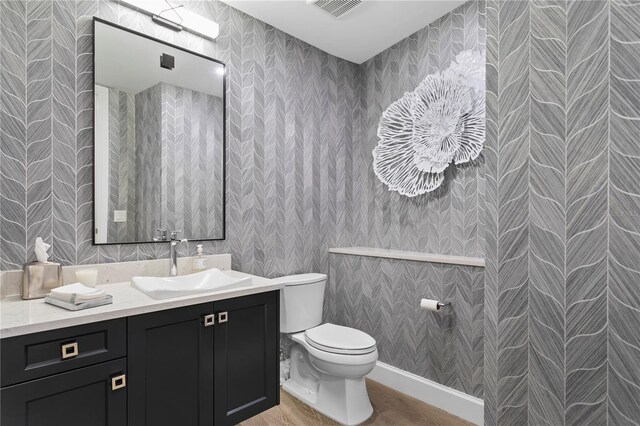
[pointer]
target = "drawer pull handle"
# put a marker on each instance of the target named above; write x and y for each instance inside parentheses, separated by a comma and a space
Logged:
(209, 320)
(70, 350)
(118, 382)
(223, 317)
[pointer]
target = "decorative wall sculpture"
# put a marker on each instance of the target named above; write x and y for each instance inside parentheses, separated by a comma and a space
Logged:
(440, 122)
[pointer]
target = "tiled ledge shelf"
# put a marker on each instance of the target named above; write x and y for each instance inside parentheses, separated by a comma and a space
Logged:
(409, 255)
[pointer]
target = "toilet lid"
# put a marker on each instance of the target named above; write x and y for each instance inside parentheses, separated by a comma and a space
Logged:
(340, 340)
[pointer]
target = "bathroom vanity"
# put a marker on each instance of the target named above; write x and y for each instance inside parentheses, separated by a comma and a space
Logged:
(197, 360)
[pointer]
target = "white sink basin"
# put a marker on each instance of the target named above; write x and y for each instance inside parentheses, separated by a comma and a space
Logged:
(185, 285)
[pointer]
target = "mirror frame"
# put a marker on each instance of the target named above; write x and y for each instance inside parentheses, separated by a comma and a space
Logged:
(93, 145)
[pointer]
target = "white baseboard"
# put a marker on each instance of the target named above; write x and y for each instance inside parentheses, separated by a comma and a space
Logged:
(453, 401)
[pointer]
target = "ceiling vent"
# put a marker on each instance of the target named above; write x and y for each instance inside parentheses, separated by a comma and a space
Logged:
(337, 8)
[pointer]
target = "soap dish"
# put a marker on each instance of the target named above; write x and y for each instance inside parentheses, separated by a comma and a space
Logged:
(107, 300)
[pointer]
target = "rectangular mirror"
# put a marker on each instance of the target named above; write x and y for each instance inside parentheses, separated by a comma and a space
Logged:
(159, 140)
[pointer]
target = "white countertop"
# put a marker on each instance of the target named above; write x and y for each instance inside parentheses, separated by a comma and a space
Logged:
(18, 317)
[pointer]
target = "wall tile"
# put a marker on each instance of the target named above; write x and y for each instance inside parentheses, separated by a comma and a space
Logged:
(586, 214)
(583, 345)
(624, 217)
(13, 149)
(301, 125)
(282, 105)
(507, 204)
(548, 200)
(447, 220)
(382, 298)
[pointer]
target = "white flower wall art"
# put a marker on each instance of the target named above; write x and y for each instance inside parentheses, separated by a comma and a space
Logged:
(441, 122)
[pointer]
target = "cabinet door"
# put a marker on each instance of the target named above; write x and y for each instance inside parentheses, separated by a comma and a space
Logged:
(38, 355)
(171, 365)
(246, 356)
(83, 397)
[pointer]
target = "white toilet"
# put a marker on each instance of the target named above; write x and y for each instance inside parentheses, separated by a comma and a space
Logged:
(328, 361)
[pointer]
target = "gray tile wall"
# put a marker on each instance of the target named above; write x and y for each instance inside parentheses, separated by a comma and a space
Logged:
(193, 166)
(149, 162)
(382, 296)
(623, 290)
(185, 165)
(122, 160)
(561, 181)
(507, 218)
(286, 122)
(448, 221)
(562, 304)
(292, 110)
(301, 128)
(284, 190)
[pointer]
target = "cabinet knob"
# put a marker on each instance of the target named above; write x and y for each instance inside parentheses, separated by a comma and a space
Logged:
(223, 317)
(118, 382)
(209, 320)
(69, 350)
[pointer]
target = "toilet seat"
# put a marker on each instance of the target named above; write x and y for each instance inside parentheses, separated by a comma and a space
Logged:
(337, 339)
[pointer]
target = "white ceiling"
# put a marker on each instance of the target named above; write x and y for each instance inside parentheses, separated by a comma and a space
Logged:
(129, 62)
(362, 33)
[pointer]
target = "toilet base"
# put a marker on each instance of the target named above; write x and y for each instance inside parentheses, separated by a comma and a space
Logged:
(342, 399)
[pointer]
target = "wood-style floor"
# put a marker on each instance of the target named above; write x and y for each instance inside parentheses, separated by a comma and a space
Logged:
(389, 408)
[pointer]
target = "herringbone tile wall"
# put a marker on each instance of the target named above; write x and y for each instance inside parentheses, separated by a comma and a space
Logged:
(382, 298)
(299, 163)
(507, 204)
(122, 160)
(449, 221)
(300, 130)
(150, 160)
(562, 304)
(561, 164)
(189, 164)
(291, 108)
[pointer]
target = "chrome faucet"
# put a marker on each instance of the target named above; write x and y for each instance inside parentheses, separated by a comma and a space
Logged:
(173, 253)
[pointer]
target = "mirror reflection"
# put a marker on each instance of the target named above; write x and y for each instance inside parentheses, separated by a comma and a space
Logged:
(159, 140)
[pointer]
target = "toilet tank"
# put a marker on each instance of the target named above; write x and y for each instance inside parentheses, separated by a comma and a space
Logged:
(301, 301)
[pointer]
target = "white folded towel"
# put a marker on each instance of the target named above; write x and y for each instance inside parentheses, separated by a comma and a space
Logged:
(77, 293)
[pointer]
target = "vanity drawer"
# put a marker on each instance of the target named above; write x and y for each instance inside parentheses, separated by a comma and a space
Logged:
(38, 355)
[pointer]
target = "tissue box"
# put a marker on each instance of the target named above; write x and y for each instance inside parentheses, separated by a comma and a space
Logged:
(39, 278)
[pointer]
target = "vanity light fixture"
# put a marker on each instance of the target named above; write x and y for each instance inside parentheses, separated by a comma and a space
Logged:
(160, 20)
(166, 14)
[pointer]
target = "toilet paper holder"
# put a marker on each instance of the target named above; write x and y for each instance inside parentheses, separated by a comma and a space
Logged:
(433, 305)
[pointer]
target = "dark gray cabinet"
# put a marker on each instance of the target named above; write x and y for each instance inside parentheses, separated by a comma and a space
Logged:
(71, 376)
(89, 396)
(37, 355)
(246, 346)
(171, 367)
(213, 363)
